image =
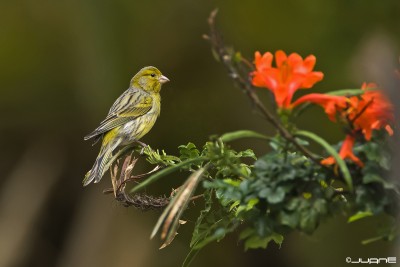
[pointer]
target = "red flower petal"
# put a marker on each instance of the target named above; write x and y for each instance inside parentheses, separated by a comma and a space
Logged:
(371, 111)
(280, 58)
(389, 130)
(263, 61)
(312, 78)
(331, 104)
(309, 62)
(346, 152)
(290, 74)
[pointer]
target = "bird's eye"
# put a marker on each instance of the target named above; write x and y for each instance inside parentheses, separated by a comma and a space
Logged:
(153, 75)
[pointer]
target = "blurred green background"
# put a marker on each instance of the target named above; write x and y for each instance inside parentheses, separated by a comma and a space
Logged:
(63, 63)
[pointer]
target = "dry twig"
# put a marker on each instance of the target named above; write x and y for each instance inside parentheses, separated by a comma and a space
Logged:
(140, 201)
(224, 56)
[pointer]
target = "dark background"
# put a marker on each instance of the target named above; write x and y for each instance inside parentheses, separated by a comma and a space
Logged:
(63, 63)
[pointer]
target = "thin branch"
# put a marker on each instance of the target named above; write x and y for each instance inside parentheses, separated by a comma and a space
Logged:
(218, 46)
(196, 197)
(362, 110)
(120, 179)
(140, 201)
(137, 177)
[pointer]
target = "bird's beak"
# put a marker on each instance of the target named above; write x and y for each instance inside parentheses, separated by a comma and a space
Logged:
(163, 79)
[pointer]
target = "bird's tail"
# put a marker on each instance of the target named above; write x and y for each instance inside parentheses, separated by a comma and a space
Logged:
(98, 169)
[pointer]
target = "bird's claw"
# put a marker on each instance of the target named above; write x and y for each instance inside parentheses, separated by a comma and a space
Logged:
(143, 145)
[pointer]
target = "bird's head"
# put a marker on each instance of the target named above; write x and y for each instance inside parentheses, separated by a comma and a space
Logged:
(149, 79)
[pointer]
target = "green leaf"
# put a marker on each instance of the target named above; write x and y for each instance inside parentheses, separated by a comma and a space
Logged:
(342, 165)
(189, 151)
(302, 141)
(387, 232)
(218, 234)
(308, 220)
(246, 233)
(264, 192)
(231, 182)
(272, 196)
(197, 232)
(321, 206)
(231, 136)
(372, 177)
(359, 215)
(346, 92)
(372, 240)
(189, 258)
(278, 239)
(215, 225)
(237, 57)
(256, 242)
(290, 219)
(253, 241)
(245, 170)
(276, 196)
(293, 203)
(155, 157)
(248, 153)
(376, 151)
(234, 205)
(252, 202)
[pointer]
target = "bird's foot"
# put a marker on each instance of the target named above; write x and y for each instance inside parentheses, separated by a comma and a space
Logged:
(143, 145)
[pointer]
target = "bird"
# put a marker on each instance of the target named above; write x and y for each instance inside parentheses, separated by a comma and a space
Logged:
(131, 117)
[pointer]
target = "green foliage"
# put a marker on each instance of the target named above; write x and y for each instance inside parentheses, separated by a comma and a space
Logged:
(331, 150)
(374, 192)
(282, 191)
(359, 215)
(188, 151)
(388, 232)
(228, 137)
(157, 158)
(287, 188)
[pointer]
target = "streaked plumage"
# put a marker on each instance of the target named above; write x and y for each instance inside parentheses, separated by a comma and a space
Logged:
(131, 116)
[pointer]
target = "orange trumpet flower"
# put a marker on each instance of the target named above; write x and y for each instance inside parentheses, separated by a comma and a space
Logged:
(371, 111)
(332, 104)
(290, 74)
(346, 151)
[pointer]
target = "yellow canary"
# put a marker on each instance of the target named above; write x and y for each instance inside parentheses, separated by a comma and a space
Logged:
(131, 116)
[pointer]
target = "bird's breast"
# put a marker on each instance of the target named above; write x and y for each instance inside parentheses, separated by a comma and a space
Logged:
(137, 128)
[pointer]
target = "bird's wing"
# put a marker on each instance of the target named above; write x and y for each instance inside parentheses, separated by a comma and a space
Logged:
(130, 105)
